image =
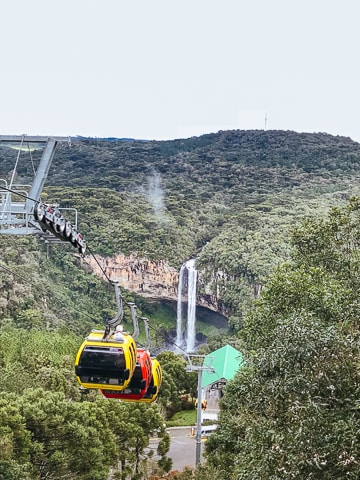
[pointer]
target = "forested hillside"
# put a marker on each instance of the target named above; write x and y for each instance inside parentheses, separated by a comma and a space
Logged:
(229, 198)
(242, 203)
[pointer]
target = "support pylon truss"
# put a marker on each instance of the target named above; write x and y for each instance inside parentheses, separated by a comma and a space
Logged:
(21, 210)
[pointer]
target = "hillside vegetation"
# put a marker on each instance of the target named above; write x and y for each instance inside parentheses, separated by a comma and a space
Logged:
(230, 198)
(271, 219)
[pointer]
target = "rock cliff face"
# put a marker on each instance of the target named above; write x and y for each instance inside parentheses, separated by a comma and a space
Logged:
(150, 279)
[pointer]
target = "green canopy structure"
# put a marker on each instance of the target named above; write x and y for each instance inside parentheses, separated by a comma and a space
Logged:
(225, 361)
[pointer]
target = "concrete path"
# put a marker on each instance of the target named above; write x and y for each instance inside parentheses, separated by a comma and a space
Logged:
(182, 448)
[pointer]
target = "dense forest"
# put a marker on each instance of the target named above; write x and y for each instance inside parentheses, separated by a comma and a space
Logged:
(273, 220)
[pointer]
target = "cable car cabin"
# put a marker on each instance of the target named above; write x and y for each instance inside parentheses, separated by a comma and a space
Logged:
(105, 363)
(155, 384)
(140, 381)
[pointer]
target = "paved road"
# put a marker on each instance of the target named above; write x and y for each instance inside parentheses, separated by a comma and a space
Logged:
(182, 448)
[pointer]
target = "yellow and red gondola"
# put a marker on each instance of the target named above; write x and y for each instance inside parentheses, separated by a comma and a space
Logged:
(105, 363)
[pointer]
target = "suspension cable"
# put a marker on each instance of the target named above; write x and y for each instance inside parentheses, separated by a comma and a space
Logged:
(17, 161)
(105, 275)
(16, 274)
(98, 263)
(18, 193)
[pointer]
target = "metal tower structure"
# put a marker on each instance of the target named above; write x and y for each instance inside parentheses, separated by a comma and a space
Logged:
(199, 369)
(21, 210)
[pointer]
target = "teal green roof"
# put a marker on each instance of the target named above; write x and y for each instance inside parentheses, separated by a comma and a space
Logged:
(225, 361)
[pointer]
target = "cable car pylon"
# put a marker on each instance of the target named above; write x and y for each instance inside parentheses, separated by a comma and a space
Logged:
(32, 216)
(199, 369)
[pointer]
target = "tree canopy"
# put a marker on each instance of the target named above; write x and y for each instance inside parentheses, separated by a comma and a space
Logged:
(293, 410)
(48, 429)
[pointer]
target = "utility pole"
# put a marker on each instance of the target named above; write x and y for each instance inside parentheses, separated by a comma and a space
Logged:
(199, 369)
(198, 421)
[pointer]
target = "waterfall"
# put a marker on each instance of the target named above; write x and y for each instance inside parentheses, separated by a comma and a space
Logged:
(179, 332)
(191, 311)
(189, 279)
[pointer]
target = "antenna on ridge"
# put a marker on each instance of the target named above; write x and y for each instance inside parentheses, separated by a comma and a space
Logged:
(265, 121)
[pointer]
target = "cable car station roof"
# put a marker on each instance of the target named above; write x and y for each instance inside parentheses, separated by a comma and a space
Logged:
(225, 361)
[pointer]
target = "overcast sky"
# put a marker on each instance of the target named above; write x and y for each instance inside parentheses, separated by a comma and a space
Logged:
(166, 69)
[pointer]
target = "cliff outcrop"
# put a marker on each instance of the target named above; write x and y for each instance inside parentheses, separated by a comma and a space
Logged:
(152, 279)
(139, 275)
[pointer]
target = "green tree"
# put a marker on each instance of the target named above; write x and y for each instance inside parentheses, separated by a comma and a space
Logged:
(45, 435)
(239, 260)
(15, 441)
(292, 411)
(38, 359)
(177, 381)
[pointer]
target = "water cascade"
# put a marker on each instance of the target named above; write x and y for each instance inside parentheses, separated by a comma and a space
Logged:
(179, 333)
(191, 311)
(187, 277)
